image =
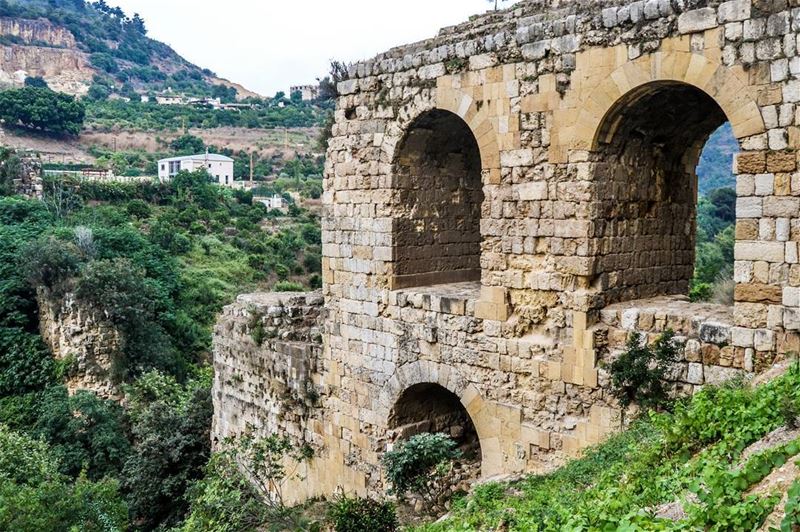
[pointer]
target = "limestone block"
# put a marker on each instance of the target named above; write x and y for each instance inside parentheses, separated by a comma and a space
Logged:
(697, 20)
(791, 296)
(734, 11)
(694, 375)
(761, 251)
(764, 340)
(609, 17)
(715, 333)
(741, 337)
(715, 375)
(536, 50)
(533, 191)
(764, 184)
(781, 207)
(749, 207)
(514, 158)
(791, 319)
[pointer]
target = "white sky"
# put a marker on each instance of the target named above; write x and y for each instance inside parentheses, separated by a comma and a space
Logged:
(268, 45)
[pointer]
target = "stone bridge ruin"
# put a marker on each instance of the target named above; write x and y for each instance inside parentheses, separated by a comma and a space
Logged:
(505, 203)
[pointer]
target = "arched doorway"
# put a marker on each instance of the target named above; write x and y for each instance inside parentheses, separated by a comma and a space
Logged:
(646, 151)
(431, 408)
(439, 194)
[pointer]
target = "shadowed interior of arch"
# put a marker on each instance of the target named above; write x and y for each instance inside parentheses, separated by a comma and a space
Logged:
(438, 186)
(647, 149)
(432, 408)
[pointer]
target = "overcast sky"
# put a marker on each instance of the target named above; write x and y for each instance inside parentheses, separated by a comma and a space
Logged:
(267, 45)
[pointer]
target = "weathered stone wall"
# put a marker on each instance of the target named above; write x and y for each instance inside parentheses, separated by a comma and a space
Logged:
(589, 118)
(266, 356)
(30, 183)
(80, 335)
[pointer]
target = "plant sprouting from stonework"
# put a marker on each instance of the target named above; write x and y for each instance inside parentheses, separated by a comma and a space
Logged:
(269, 462)
(638, 374)
(420, 464)
(256, 326)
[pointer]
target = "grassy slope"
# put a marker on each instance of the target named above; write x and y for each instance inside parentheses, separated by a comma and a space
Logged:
(690, 455)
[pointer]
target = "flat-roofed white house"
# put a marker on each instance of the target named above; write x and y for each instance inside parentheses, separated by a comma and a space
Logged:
(218, 166)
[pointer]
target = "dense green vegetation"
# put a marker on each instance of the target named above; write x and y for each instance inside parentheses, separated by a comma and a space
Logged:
(692, 455)
(266, 114)
(716, 161)
(43, 109)
(716, 219)
(159, 260)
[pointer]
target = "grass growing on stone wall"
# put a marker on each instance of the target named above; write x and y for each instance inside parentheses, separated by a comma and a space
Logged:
(690, 456)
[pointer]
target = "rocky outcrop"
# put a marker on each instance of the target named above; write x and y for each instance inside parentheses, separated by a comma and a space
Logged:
(38, 31)
(79, 336)
(43, 50)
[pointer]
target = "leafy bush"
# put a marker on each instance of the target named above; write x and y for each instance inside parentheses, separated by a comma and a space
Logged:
(638, 374)
(418, 461)
(172, 444)
(49, 262)
(34, 496)
(138, 208)
(223, 500)
(350, 514)
(86, 433)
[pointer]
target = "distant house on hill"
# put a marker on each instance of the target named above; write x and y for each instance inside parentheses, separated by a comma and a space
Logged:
(307, 92)
(274, 202)
(218, 166)
(170, 99)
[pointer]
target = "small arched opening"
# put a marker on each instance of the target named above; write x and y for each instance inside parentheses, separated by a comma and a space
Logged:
(431, 408)
(439, 195)
(647, 150)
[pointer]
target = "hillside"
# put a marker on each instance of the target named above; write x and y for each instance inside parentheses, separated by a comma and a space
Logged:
(73, 45)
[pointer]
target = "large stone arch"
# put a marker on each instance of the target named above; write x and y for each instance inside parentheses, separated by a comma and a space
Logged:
(727, 86)
(480, 411)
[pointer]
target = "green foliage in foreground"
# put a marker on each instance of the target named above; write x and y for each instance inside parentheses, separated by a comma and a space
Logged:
(353, 514)
(34, 496)
(691, 455)
(639, 373)
(419, 460)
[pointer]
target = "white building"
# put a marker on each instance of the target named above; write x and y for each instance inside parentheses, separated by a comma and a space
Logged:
(218, 166)
(274, 202)
(307, 92)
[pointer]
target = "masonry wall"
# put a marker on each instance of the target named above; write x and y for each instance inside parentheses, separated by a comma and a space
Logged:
(82, 339)
(577, 108)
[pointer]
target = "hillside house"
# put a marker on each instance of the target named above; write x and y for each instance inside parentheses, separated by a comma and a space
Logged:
(218, 166)
(276, 201)
(307, 92)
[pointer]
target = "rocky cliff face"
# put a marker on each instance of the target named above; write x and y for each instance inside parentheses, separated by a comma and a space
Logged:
(81, 335)
(39, 48)
(37, 31)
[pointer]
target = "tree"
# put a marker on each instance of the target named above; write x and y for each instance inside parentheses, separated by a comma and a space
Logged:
(188, 145)
(36, 81)
(40, 108)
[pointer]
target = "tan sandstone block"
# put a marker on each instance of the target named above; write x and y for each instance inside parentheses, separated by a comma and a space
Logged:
(758, 293)
(781, 162)
(751, 162)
